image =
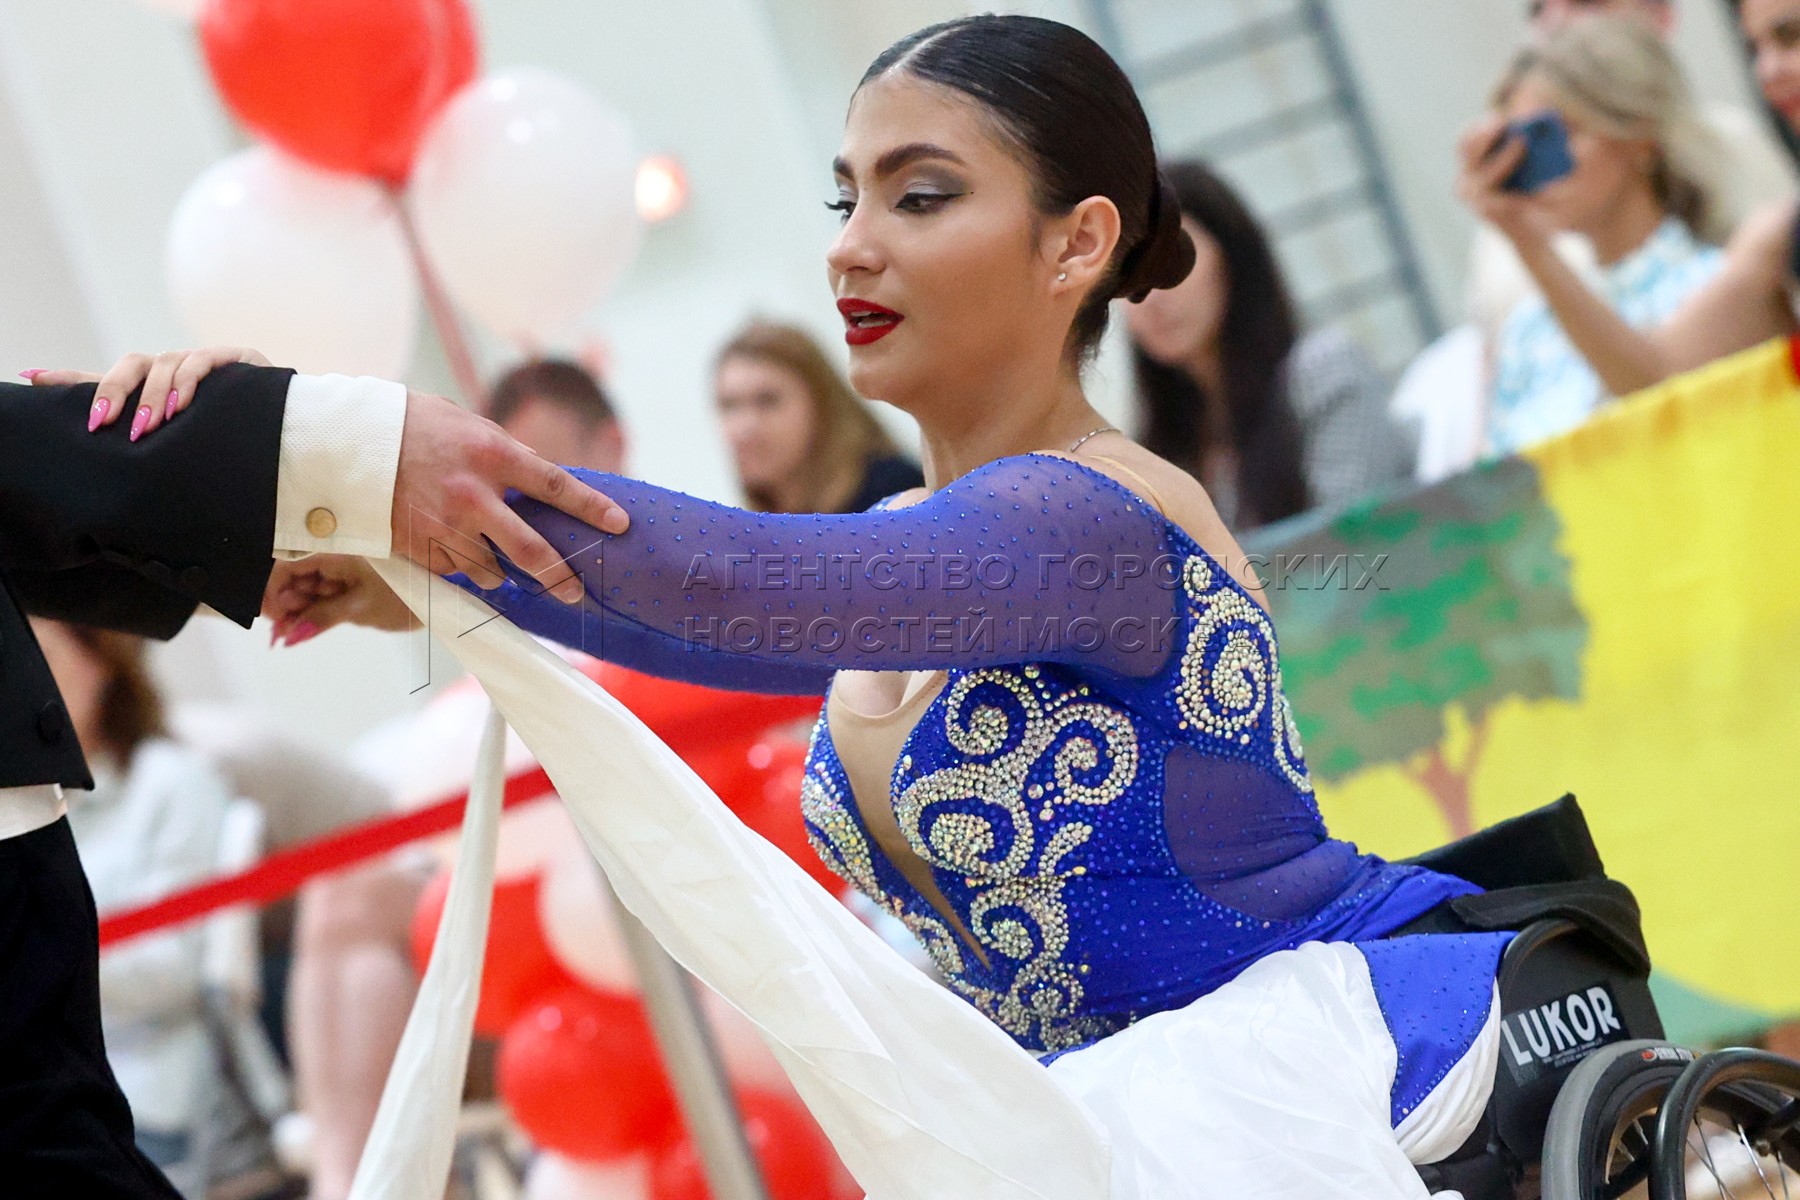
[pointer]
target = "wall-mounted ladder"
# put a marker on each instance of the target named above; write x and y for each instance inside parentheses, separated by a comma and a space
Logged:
(1263, 91)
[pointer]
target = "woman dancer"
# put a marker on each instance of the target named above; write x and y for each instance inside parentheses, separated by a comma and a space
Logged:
(1055, 744)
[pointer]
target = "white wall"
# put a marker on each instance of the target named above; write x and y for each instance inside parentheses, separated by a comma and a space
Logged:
(106, 114)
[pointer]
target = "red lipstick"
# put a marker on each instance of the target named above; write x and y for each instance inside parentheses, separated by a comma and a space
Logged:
(866, 323)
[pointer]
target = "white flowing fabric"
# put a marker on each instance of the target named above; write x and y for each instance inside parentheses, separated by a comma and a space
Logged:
(408, 1153)
(923, 1098)
(1276, 1084)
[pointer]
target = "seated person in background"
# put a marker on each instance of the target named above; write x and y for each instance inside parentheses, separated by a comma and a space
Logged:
(801, 440)
(1634, 196)
(151, 826)
(1270, 420)
(1751, 169)
(354, 982)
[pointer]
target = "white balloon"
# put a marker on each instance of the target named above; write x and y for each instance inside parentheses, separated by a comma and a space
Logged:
(524, 195)
(531, 837)
(554, 1177)
(580, 922)
(308, 267)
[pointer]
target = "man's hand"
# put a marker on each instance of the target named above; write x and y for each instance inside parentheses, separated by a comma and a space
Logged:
(450, 488)
(449, 495)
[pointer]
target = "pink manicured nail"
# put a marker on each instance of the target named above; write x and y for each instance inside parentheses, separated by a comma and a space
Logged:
(33, 373)
(140, 419)
(169, 408)
(304, 631)
(98, 413)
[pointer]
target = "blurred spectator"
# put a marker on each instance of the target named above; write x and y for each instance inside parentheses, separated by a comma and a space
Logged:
(152, 825)
(1751, 169)
(1270, 420)
(558, 409)
(1635, 197)
(801, 440)
(354, 980)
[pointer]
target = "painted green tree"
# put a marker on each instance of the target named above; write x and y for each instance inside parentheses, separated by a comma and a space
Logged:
(1394, 611)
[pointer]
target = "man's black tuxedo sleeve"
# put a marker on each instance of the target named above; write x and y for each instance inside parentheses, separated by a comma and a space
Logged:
(103, 595)
(190, 509)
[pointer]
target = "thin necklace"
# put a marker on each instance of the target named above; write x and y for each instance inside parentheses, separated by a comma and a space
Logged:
(1094, 433)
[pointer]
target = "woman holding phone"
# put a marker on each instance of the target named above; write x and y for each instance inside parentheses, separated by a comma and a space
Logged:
(1601, 140)
(1748, 301)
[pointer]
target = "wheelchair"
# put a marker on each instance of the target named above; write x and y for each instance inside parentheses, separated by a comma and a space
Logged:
(1590, 1102)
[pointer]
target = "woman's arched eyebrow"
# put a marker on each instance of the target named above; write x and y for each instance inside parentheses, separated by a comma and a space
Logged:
(898, 157)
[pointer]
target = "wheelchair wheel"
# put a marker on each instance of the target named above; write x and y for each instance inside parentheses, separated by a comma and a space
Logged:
(1603, 1125)
(1729, 1126)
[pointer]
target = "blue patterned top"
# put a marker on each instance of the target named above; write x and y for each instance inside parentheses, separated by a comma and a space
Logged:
(1542, 384)
(1109, 791)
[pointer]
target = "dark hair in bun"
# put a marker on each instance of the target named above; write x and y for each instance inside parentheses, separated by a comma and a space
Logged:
(1074, 117)
(1165, 256)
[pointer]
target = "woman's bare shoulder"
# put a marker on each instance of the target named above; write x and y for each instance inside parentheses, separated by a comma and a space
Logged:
(1176, 494)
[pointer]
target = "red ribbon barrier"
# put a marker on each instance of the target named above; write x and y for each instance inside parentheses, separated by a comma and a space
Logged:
(284, 871)
(688, 717)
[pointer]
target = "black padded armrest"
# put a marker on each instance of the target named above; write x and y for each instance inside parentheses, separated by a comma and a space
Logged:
(1547, 845)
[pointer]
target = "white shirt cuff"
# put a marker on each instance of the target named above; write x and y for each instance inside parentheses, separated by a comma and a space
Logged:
(340, 452)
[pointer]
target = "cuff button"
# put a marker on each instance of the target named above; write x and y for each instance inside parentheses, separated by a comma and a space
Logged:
(321, 522)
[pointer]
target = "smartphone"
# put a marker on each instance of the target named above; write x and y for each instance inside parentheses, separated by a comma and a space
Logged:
(1547, 156)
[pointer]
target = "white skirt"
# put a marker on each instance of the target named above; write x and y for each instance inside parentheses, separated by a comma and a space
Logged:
(1277, 1084)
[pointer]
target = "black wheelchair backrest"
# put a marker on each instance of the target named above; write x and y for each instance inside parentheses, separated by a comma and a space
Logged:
(1576, 976)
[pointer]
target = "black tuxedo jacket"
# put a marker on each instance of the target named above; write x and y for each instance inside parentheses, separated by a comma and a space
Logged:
(97, 530)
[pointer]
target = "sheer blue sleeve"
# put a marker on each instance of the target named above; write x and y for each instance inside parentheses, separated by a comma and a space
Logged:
(1033, 558)
(593, 630)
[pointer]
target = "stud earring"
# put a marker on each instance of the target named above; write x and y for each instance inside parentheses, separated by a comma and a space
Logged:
(1062, 277)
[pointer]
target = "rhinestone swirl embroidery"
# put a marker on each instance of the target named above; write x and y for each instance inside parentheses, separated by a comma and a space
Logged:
(1030, 756)
(837, 838)
(1231, 698)
(1032, 752)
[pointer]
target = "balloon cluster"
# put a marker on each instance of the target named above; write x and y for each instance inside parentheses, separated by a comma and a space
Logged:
(579, 1067)
(384, 157)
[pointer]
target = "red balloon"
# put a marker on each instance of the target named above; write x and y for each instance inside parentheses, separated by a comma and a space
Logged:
(726, 767)
(691, 718)
(797, 1161)
(461, 59)
(581, 1073)
(348, 85)
(518, 969)
(775, 812)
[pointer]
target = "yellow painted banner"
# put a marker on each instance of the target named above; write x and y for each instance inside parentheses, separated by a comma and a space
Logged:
(1615, 613)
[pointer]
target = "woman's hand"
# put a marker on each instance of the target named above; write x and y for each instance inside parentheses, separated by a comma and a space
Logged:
(168, 380)
(307, 596)
(1488, 155)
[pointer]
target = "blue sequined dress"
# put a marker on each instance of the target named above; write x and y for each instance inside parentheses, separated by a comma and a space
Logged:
(1108, 789)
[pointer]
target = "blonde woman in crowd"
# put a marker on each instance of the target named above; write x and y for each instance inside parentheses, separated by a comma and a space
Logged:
(1749, 301)
(1753, 168)
(800, 439)
(1635, 196)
